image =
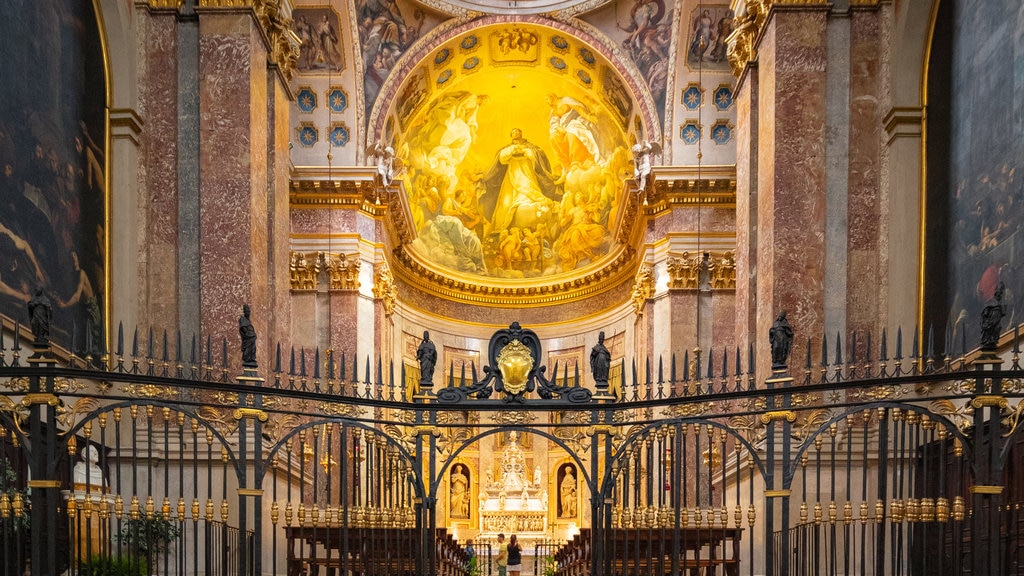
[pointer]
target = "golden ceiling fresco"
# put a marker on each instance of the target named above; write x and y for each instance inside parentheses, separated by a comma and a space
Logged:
(515, 142)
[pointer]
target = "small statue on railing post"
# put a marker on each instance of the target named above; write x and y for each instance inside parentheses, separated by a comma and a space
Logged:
(781, 338)
(426, 354)
(248, 334)
(40, 313)
(992, 319)
(600, 361)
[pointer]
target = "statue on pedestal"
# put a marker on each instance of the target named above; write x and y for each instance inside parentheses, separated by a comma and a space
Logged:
(781, 338)
(426, 354)
(248, 335)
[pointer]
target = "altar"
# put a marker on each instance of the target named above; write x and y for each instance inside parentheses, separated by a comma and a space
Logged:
(513, 503)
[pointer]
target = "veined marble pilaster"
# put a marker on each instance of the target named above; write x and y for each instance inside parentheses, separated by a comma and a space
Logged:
(865, 298)
(159, 222)
(746, 207)
(791, 171)
(233, 205)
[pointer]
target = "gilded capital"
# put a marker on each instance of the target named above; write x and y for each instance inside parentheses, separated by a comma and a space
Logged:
(684, 271)
(305, 268)
(343, 271)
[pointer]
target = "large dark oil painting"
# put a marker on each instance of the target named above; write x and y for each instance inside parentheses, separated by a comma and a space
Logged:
(975, 144)
(53, 153)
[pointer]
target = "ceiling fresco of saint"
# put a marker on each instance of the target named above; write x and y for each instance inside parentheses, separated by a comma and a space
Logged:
(515, 148)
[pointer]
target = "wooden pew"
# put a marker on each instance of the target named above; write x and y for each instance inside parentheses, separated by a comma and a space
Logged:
(652, 552)
(340, 551)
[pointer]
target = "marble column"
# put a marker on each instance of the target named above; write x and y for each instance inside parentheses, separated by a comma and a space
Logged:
(791, 174)
(233, 209)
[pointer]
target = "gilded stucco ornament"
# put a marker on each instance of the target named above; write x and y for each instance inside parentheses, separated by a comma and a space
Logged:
(643, 288)
(740, 44)
(515, 363)
(384, 288)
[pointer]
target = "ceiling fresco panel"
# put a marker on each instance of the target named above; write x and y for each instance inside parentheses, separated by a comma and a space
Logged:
(514, 165)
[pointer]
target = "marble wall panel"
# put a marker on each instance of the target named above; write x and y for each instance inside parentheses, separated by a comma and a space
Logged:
(159, 106)
(723, 326)
(864, 178)
(344, 328)
(322, 221)
(683, 322)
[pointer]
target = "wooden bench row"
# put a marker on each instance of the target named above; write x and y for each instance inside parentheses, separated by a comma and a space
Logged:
(643, 552)
(368, 552)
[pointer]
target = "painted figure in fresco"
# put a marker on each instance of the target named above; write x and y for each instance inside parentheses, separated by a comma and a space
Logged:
(384, 35)
(426, 354)
(248, 334)
(643, 19)
(583, 232)
(650, 36)
(307, 47)
(702, 36)
(722, 32)
(520, 186)
(460, 493)
(573, 132)
(327, 52)
(567, 491)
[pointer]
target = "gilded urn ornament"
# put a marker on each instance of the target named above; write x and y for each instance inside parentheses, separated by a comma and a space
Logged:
(515, 362)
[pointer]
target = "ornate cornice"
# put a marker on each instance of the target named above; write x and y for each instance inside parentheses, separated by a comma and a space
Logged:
(305, 268)
(334, 193)
(556, 291)
(689, 185)
(684, 271)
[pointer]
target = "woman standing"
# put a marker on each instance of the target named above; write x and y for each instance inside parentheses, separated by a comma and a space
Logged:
(515, 557)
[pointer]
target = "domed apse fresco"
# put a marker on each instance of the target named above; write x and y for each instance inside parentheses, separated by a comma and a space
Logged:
(515, 143)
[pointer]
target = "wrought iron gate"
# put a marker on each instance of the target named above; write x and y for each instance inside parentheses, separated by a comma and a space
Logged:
(159, 464)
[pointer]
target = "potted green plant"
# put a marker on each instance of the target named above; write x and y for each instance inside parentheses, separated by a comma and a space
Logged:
(112, 566)
(148, 538)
